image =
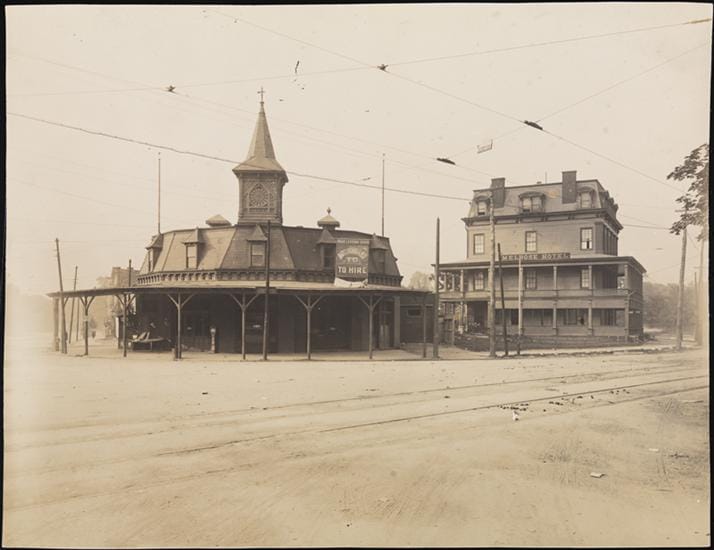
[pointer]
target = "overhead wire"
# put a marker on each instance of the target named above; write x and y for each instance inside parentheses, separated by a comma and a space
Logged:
(186, 97)
(361, 65)
(464, 100)
(546, 43)
(233, 161)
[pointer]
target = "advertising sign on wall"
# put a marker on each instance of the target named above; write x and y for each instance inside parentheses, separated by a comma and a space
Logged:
(352, 258)
(544, 256)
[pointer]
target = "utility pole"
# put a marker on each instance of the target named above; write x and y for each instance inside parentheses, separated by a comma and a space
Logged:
(267, 293)
(435, 342)
(158, 218)
(701, 297)
(71, 309)
(63, 336)
(126, 311)
(492, 284)
(382, 194)
(520, 307)
(680, 296)
(503, 303)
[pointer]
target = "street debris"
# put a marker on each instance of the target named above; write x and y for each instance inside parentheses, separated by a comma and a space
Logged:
(652, 450)
(597, 475)
(514, 415)
(678, 455)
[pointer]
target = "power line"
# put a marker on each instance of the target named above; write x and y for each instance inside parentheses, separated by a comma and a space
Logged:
(545, 43)
(232, 161)
(233, 108)
(459, 98)
(623, 81)
(362, 65)
(610, 159)
(591, 96)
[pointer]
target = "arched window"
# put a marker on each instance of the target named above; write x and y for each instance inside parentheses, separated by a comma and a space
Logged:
(259, 198)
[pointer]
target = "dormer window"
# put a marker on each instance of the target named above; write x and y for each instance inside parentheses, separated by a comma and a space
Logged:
(531, 203)
(585, 199)
(153, 256)
(481, 208)
(257, 254)
(154, 249)
(192, 256)
(379, 259)
(328, 256)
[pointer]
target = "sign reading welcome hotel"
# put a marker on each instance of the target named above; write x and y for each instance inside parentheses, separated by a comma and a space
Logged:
(545, 256)
(352, 258)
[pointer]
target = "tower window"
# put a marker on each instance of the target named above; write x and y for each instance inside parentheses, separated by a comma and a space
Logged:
(585, 278)
(257, 254)
(259, 198)
(586, 238)
(585, 200)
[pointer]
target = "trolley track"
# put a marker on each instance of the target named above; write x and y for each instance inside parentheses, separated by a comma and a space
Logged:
(286, 435)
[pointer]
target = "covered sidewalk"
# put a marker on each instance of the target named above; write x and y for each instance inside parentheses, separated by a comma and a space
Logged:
(243, 295)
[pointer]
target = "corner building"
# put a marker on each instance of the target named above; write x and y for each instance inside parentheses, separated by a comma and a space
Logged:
(564, 280)
(330, 288)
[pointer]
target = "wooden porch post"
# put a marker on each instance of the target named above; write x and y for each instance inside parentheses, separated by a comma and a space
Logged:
(86, 302)
(371, 320)
(423, 327)
(370, 307)
(555, 299)
(125, 303)
(55, 323)
(243, 304)
(309, 306)
(179, 303)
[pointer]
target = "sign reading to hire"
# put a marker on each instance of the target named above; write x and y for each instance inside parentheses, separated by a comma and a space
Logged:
(352, 258)
(544, 256)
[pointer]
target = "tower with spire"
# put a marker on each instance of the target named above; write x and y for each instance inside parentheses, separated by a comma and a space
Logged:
(260, 177)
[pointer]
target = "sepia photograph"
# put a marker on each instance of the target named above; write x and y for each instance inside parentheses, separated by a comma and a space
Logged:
(357, 275)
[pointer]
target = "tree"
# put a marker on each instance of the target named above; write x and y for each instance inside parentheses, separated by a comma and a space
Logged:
(421, 281)
(695, 201)
(660, 306)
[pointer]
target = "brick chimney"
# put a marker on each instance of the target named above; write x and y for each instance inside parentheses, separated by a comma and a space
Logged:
(498, 188)
(569, 191)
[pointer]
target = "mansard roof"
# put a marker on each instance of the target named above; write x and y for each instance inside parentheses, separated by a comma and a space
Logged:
(228, 248)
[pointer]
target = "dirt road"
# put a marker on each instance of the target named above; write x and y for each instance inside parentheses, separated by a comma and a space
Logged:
(140, 452)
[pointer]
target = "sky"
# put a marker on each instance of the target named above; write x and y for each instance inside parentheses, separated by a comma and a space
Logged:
(624, 108)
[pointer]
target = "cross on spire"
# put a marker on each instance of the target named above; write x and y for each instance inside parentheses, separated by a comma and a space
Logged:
(261, 92)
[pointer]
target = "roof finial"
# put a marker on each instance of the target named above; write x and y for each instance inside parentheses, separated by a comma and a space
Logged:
(262, 93)
(329, 210)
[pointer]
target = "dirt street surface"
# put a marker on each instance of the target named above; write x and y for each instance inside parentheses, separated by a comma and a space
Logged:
(145, 451)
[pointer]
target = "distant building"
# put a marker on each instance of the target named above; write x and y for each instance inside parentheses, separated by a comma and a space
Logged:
(108, 310)
(559, 246)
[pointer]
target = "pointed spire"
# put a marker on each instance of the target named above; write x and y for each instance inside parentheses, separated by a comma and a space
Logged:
(261, 155)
